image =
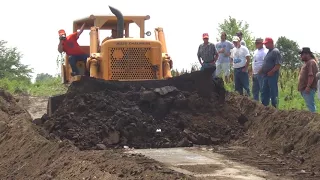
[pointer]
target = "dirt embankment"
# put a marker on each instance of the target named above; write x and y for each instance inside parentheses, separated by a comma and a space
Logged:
(290, 137)
(26, 154)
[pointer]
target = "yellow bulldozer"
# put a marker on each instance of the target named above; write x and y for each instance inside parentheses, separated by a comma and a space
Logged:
(121, 58)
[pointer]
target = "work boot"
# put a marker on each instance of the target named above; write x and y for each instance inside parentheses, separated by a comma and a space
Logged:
(73, 74)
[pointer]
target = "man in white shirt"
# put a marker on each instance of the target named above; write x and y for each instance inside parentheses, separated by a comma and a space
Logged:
(241, 57)
(257, 62)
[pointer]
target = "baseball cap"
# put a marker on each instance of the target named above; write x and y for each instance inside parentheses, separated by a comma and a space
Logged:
(61, 31)
(205, 35)
(235, 39)
(259, 40)
(267, 40)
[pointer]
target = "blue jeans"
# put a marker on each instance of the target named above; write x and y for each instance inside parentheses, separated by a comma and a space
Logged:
(309, 99)
(73, 59)
(241, 81)
(208, 65)
(270, 90)
(257, 82)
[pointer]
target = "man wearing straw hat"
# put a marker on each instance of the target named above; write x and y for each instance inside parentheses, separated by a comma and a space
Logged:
(307, 84)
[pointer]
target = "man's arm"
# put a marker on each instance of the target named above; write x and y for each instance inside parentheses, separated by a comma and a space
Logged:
(216, 54)
(277, 61)
(81, 30)
(311, 74)
(199, 56)
(60, 47)
(248, 61)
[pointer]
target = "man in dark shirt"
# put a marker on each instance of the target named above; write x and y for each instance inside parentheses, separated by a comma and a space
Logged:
(307, 84)
(207, 54)
(270, 74)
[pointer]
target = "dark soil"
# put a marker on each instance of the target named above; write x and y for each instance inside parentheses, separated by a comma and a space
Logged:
(134, 114)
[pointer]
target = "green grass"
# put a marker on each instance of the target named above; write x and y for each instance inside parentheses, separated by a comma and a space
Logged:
(49, 87)
(289, 97)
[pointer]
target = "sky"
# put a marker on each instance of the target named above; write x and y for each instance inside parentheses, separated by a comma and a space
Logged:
(33, 25)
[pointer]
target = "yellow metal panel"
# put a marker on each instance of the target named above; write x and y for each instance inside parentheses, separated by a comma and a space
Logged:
(132, 59)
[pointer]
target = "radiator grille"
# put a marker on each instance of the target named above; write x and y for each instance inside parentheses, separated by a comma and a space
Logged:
(131, 63)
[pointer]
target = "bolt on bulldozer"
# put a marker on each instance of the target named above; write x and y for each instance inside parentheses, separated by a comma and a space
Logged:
(118, 58)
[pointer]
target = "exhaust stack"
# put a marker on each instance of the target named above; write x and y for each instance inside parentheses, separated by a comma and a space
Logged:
(120, 21)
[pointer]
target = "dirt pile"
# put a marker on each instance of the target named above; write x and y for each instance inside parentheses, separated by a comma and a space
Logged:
(179, 112)
(290, 137)
(25, 154)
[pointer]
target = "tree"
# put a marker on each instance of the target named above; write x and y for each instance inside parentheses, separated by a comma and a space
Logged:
(43, 77)
(289, 50)
(231, 26)
(10, 65)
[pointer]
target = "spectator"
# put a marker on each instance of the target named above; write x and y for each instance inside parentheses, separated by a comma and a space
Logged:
(241, 58)
(223, 62)
(307, 84)
(207, 54)
(258, 57)
(240, 35)
(270, 74)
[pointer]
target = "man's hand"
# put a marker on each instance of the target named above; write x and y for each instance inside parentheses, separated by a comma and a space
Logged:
(221, 50)
(270, 73)
(307, 90)
(244, 69)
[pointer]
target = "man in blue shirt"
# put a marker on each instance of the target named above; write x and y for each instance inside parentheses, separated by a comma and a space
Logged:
(223, 63)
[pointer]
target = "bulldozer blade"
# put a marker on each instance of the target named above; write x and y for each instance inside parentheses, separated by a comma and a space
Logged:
(54, 103)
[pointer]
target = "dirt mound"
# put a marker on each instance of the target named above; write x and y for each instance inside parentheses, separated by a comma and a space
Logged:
(134, 114)
(25, 154)
(292, 137)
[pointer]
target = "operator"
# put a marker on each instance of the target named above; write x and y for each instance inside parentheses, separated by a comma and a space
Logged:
(70, 46)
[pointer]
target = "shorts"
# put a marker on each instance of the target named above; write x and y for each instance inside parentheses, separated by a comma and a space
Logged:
(223, 68)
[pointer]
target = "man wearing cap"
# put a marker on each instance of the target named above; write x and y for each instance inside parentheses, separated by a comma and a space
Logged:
(258, 57)
(241, 57)
(242, 42)
(270, 74)
(70, 46)
(223, 63)
(207, 53)
(307, 84)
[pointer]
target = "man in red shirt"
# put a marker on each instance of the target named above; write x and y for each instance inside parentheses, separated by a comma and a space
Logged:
(70, 46)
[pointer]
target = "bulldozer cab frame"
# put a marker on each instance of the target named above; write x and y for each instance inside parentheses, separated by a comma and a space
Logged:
(109, 22)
